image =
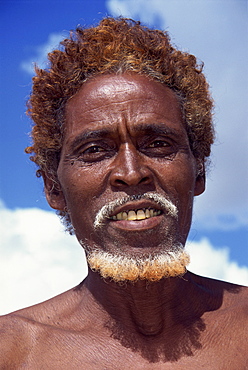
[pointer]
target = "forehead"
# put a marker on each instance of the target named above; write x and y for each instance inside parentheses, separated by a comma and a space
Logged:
(129, 97)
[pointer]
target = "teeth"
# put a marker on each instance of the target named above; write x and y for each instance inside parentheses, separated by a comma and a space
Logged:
(140, 214)
(131, 216)
(119, 216)
(124, 215)
(148, 214)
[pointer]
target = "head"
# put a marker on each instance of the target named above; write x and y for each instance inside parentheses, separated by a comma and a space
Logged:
(114, 59)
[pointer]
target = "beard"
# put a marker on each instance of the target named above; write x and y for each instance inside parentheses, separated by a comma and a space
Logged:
(121, 268)
(170, 259)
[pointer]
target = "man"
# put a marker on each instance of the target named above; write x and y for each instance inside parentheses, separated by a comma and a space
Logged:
(122, 130)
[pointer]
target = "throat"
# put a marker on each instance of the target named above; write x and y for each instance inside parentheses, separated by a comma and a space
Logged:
(160, 320)
(147, 314)
(149, 326)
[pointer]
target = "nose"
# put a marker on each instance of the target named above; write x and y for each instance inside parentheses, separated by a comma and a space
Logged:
(129, 168)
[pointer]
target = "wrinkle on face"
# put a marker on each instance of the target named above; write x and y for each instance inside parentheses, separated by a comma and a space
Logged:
(123, 113)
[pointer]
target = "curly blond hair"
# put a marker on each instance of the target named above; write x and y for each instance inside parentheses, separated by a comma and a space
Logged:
(116, 45)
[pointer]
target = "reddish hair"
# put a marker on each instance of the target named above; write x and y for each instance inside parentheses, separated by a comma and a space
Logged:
(115, 46)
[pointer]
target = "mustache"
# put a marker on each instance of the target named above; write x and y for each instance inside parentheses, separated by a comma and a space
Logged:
(107, 210)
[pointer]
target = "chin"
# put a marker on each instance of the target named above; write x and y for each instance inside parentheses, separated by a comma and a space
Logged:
(126, 266)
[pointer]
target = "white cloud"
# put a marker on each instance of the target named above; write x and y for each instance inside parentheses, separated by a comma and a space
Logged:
(216, 32)
(40, 53)
(208, 261)
(38, 260)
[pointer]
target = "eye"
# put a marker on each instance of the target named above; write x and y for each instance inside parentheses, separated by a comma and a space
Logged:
(158, 144)
(95, 153)
(93, 149)
(160, 148)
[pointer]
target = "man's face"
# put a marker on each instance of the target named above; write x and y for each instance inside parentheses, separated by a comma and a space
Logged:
(124, 136)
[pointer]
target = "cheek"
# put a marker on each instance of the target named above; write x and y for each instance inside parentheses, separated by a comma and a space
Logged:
(78, 192)
(178, 177)
(178, 182)
(185, 192)
(185, 181)
(80, 185)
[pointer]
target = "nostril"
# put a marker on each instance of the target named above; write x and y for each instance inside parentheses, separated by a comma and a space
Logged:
(120, 182)
(129, 170)
(144, 180)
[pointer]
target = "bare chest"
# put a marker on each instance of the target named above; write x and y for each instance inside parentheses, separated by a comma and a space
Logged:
(78, 351)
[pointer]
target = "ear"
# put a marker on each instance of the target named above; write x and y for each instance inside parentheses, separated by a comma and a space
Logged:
(200, 181)
(54, 193)
(200, 185)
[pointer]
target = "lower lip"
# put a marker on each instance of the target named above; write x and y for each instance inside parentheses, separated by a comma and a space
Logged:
(146, 224)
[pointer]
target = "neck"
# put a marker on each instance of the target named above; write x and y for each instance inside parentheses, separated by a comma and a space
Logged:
(147, 308)
(160, 320)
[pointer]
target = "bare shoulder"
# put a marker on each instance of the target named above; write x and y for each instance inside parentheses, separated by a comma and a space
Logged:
(226, 301)
(231, 322)
(230, 296)
(228, 317)
(235, 298)
(14, 341)
(54, 311)
(235, 302)
(235, 311)
(19, 330)
(226, 322)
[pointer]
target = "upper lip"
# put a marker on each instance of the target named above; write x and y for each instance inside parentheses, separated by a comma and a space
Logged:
(135, 205)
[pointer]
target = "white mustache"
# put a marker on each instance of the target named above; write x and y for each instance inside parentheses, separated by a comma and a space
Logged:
(107, 210)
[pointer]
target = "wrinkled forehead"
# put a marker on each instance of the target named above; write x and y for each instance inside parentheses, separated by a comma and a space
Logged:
(116, 86)
(132, 90)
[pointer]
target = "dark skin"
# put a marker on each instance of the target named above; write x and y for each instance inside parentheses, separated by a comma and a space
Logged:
(185, 322)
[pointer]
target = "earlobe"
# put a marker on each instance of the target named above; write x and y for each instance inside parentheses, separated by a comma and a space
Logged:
(200, 184)
(54, 193)
(200, 177)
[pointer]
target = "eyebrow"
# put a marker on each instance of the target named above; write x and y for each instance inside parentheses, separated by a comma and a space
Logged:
(148, 128)
(156, 129)
(89, 135)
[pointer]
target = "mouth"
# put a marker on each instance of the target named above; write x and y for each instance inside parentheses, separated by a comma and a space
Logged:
(144, 210)
(139, 215)
(136, 217)
(136, 214)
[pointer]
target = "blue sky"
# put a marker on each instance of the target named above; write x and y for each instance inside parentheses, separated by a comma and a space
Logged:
(216, 32)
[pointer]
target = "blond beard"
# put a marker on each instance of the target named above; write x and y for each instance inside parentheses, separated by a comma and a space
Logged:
(170, 262)
(152, 268)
